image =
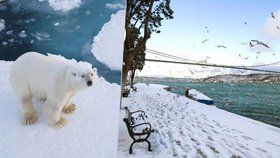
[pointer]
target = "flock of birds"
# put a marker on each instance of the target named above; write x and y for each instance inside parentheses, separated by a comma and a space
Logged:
(251, 43)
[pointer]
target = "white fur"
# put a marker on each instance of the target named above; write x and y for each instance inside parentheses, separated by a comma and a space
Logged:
(55, 81)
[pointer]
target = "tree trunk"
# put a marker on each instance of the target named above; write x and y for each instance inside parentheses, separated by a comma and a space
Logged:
(132, 77)
(126, 67)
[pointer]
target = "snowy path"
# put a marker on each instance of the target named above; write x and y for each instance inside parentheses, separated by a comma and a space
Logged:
(92, 130)
(185, 128)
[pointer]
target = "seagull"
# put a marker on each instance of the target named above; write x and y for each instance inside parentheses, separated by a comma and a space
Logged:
(246, 58)
(207, 29)
(243, 43)
(251, 45)
(277, 27)
(242, 71)
(239, 55)
(191, 71)
(272, 15)
(220, 46)
(204, 41)
(245, 22)
(260, 43)
(205, 60)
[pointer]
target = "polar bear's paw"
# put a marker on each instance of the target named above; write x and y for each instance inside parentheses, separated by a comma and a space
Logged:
(69, 109)
(61, 123)
(30, 118)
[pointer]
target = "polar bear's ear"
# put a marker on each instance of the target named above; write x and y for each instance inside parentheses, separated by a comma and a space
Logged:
(74, 74)
(94, 70)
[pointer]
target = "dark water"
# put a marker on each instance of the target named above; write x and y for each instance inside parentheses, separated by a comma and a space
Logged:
(72, 38)
(257, 101)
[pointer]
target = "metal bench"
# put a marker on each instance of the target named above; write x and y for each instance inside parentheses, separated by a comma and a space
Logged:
(138, 132)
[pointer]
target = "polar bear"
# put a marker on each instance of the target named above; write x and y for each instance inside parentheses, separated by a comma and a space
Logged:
(50, 79)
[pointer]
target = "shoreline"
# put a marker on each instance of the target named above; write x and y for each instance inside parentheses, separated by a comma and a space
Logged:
(256, 101)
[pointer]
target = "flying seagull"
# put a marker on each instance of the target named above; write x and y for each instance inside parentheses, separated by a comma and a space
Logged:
(272, 15)
(204, 41)
(205, 60)
(220, 46)
(251, 45)
(245, 22)
(277, 27)
(191, 71)
(260, 43)
(207, 29)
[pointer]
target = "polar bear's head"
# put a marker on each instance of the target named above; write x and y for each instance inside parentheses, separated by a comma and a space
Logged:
(80, 77)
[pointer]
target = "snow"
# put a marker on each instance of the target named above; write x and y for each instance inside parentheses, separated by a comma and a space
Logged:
(4, 43)
(22, 34)
(186, 128)
(41, 36)
(92, 130)
(198, 95)
(9, 32)
(115, 6)
(2, 24)
(109, 42)
(63, 5)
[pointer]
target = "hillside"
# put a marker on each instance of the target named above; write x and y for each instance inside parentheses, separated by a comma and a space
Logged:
(250, 78)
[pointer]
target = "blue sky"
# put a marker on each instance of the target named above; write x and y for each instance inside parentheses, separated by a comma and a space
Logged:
(182, 35)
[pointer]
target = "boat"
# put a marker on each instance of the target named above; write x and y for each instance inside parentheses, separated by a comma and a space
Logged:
(198, 96)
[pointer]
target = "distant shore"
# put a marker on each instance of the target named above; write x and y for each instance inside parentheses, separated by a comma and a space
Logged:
(229, 78)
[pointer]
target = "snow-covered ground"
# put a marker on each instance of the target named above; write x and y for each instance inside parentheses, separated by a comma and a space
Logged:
(92, 130)
(186, 128)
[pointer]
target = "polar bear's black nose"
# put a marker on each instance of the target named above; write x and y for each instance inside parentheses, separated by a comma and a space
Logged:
(89, 83)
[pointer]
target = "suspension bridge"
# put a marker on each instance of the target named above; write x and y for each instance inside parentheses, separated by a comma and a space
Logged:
(181, 60)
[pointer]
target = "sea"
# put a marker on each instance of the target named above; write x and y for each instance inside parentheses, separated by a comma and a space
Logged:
(33, 25)
(257, 101)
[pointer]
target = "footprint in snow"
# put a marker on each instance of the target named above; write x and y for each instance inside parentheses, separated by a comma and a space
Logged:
(199, 152)
(247, 138)
(213, 149)
(262, 150)
(268, 142)
(195, 141)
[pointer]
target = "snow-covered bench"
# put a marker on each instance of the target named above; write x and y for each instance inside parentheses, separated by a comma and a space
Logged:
(138, 127)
